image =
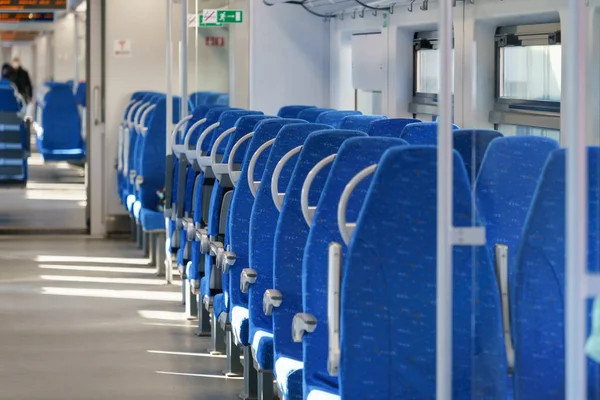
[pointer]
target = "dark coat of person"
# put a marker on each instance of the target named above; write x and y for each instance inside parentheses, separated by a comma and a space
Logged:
(20, 78)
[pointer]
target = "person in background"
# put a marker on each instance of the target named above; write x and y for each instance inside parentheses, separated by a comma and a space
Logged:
(21, 79)
(7, 71)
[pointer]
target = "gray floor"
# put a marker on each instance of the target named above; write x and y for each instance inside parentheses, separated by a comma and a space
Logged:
(54, 199)
(68, 330)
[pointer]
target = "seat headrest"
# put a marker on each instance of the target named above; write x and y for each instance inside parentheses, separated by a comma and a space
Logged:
(360, 122)
(311, 114)
(292, 111)
(335, 118)
(422, 133)
(392, 127)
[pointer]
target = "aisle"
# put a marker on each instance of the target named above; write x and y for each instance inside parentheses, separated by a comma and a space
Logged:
(86, 319)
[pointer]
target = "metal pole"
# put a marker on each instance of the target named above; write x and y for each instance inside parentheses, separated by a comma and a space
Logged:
(76, 52)
(183, 68)
(576, 120)
(444, 209)
(169, 76)
(197, 43)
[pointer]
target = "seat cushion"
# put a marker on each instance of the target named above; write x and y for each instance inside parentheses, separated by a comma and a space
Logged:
(129, 202)
(137, 208)
(61, 155)
(239, 325)
(262, 349)
(152, 220)
(219, 305)
(289, 377)
(321, 395)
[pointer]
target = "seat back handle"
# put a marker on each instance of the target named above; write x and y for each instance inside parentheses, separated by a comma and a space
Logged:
(235, 175)
(138, 116)
(203, 136)
(308, 211)
(179, 125)
(278, 196)
(222, 136)
(130, 114)
(334, 278)
(346, 228)
(193, 128)
(251, 182)
(143, 127)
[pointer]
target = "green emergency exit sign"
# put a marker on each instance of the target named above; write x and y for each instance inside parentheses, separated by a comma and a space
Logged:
(206, 24)
(230, 16)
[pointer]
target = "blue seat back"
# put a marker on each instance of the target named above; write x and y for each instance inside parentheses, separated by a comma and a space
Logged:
(422, 133)
(311, 114)
(388, 291)
(302, 270)
(335, 118)
(227, 121)
(472, 144)
(292, 111)
(200, 98)
(505, 187)
(80, 94)
(392, 127)
(539, 290)
(8, 99)
(222, 100)
(60, 119)
(360, 122)
(212, 116)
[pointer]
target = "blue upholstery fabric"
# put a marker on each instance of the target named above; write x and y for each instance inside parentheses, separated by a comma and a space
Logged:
(472, 144)
(219, 306)
(152, 220)
(200, 98)
(212, 229)
(388, 291)
(222, 100)
(335, 118)
(61, 125)
(80, 94)
(539, 290)
(505, 187)
(8, 99)
(303, 270)
(390, 127)
(360, 122)
(311, 114)
(262, 350)
(292, 111)
(423, 133)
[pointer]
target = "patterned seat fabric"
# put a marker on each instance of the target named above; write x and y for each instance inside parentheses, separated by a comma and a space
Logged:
(311, 114)
(388, 291)
(539, 289)
(335, 118)
(292, 111)
(392, 127)
(472, 145)
(302, 270)
(360, 122)
(424, 133)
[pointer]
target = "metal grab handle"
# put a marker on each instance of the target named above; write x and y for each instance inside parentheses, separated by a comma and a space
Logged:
(203, 136)
(188, 135)
(309, 211)
(177, 128)
(347, 229)
(129, 120)
(222, 136)
(334, 277)
(235, 175)
(144, 129)
(120, 144)
(97, 105)
(251, 182)
(275, 194)
(138, 115)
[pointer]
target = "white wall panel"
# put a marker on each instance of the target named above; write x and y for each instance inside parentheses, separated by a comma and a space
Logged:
(368, 58)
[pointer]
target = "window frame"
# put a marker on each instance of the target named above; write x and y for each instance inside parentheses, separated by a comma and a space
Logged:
(524, 112)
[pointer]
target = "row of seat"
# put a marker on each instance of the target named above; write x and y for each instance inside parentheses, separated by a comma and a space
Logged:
(13, 136)
(309, 239)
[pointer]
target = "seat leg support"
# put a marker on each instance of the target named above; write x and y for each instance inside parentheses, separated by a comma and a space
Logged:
(160, 253)
(191, 303)
(265, 386)
(139, 235)
(152, 248)
(234, 365)
(184, 292)
(217, 337)
(203, 321)
(133, 228)
(145, 243)
(250, 377)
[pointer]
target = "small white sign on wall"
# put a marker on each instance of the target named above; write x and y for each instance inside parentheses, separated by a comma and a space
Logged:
(122, 48)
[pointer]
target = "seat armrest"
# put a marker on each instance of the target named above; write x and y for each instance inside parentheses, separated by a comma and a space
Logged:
(202, 237)
(138, 182)
(229, 259)
(247, 278)
(208, 303)
(195, 286)
(271, 299)
(302, 324)
(216, 249)
(132, 175)
(190, 229)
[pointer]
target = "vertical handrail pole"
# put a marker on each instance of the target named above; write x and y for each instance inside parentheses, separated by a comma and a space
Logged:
(169, 78)
(183, 68)
(574, 103)
(444, 210)
(197, 44)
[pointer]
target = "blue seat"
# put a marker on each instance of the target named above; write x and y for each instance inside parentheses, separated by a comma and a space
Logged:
(13, 138)
(422, 133)
(335, 118)
(360, 123)
(292, 111)
(238, 224)
(472, 144)
(80, 94)
(312, 114)
(539, 288)
(354, 154)
(201, 98)
(59, 130)
(388, 291)
(392, 127)
(505, 186)
(222, 100)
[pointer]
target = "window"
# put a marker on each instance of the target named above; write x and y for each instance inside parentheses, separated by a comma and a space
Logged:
(426, 85)
(528, 77)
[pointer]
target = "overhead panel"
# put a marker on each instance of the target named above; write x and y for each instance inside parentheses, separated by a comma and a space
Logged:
(33, 5)
(25, 17)
(18, 36)
(337, 7)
